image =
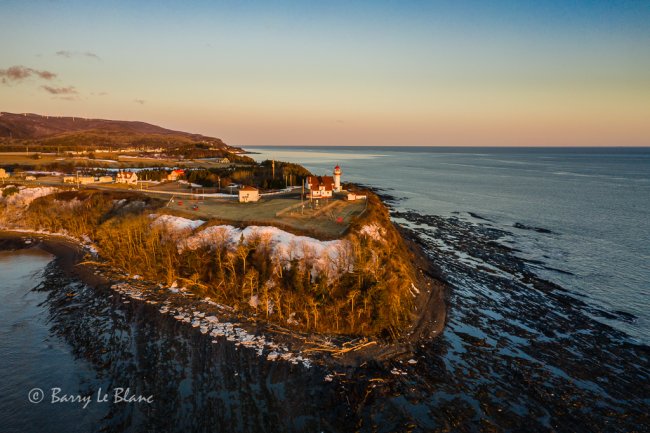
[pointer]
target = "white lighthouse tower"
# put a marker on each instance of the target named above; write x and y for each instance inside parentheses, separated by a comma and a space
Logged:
(337, 179)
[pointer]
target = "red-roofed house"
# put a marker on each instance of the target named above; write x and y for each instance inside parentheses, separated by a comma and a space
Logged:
(320, 186)
(175, 174)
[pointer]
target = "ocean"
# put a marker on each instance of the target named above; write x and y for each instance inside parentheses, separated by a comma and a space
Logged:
(591, 206)
(545, 255)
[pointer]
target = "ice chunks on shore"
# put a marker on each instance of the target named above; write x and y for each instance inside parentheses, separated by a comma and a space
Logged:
(176, 306)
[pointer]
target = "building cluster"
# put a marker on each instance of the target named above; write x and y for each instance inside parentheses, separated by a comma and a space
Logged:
(324, 186)
(318, 187)
(126, 177)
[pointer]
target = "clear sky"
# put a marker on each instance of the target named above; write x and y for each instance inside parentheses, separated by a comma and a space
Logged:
(493, 73)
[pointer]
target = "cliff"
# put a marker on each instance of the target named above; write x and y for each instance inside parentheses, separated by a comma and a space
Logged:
(365, 284)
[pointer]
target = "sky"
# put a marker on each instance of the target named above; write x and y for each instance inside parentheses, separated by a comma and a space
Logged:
(412, 73)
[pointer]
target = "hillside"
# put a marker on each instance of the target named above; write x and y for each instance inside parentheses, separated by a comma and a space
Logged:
(34, 129)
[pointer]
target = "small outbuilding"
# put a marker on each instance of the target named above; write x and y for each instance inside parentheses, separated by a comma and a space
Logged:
(353, 197)
(3, 174)
(248, 194)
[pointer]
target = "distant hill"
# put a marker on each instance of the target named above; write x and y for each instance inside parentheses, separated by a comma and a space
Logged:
(78, 131)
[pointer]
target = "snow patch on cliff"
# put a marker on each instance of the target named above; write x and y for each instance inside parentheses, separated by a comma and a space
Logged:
(27, 195)
(325, 255)
(175, 223)
(373, 231)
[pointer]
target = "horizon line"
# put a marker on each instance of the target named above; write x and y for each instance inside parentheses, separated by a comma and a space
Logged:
(450, 146)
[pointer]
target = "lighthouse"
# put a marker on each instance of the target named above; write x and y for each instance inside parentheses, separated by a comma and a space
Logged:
(337, 179)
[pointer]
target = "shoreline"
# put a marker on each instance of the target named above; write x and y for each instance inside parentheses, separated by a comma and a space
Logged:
(272, 341)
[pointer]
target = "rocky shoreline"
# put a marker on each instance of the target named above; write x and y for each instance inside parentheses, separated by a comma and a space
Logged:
(518, 352)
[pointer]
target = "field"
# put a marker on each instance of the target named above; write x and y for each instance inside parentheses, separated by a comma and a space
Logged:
(326, 222)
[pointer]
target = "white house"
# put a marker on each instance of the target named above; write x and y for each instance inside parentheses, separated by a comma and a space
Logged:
(248, 194)
(127, 177)
(3, 174)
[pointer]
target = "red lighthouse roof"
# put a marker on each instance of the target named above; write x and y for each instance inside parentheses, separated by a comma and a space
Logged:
(337, 168)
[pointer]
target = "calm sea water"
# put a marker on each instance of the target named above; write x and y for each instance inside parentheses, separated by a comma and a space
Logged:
(596, 203)
(32, 356)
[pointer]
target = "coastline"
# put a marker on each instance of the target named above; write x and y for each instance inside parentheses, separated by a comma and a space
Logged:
(215, 321)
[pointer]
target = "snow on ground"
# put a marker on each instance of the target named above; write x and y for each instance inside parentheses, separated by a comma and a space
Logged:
(373, 231)
(46, 173)
(27, 195)
(326, 255)
(193, 185)
(282, 191)
(175, 223)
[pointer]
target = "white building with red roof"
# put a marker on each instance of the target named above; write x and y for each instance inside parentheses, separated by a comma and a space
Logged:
(320, 186)
(337, 179)
(175, 174)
